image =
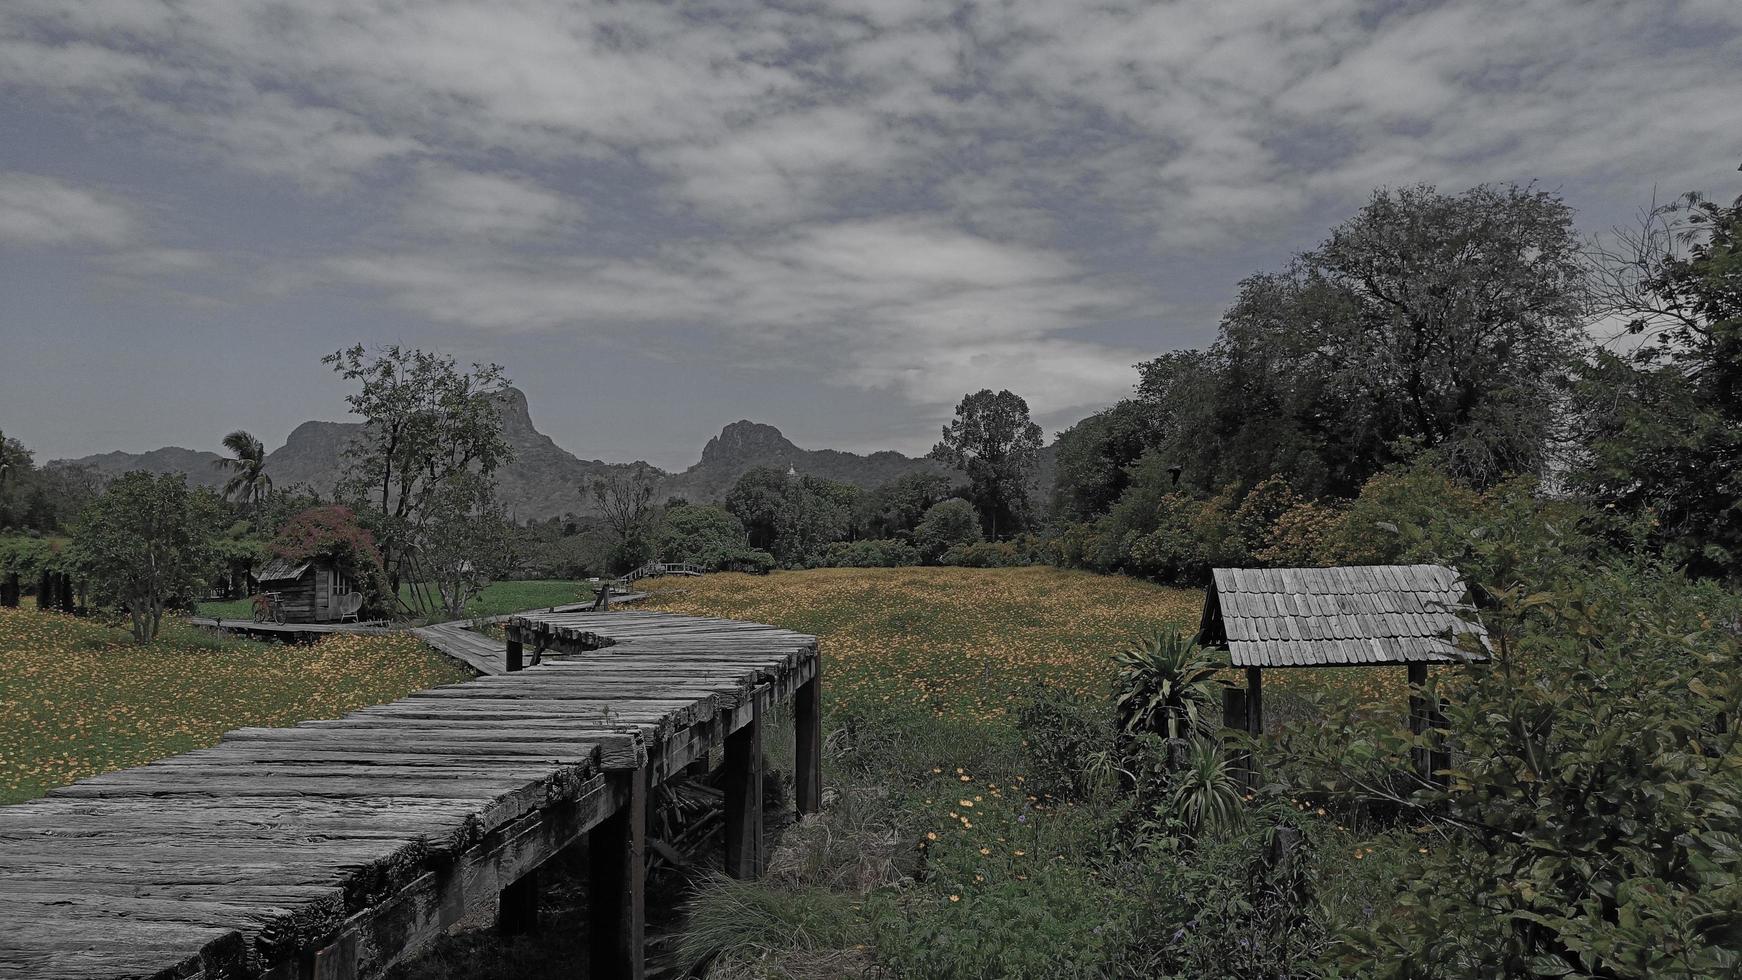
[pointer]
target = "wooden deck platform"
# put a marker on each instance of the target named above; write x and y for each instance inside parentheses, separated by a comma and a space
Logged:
(286, 631)
(336, 847)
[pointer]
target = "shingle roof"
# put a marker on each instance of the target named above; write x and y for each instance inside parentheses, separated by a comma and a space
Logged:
(280, 570)
(1354, 615)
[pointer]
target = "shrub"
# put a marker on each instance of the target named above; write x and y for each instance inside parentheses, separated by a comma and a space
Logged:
(1206, 795)
(946, 524)
(1303, 536)
(884, 553)
(1071, 743)
(982, 554)
(1167, 686)
(702, 534)
(752, 560)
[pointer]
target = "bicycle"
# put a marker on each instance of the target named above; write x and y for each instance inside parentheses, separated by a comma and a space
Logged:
(266, 607)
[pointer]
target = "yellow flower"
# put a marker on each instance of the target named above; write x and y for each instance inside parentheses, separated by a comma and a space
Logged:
(955, 898)
(931, 835)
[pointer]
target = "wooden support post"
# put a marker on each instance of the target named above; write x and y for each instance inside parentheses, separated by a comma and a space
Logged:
(44, 588)
(66, 593)
(515, 649)
(517, 906)
(742, 777)
(617, 887)
(1254, 701)
(807, 716)
(1439, 753)
(9, 591)
(1234, 707)
(697, 769)
(1418, 717)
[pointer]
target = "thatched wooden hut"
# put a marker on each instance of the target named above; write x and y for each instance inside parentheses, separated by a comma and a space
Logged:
(1406, 616)
(315, 590)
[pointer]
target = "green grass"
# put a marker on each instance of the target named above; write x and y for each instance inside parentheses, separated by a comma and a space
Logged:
(79, 697)
(496, 599)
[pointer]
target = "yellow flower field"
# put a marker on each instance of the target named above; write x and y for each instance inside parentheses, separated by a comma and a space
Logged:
(79, 698)
(972, 641)
(960, 640)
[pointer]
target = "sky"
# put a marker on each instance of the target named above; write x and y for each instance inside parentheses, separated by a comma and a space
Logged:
(836, 218)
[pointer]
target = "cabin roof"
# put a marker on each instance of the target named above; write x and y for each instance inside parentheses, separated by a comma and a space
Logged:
(1357, 615)
(281, 570)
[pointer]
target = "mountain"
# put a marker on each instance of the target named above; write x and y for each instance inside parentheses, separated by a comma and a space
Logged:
(170, 459)
(744, 445)
(544, 480)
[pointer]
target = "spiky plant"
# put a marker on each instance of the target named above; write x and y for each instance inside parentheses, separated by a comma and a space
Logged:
(1206, 794)
(1166, 685)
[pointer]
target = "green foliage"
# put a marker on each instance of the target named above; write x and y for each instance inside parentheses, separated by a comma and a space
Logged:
(894, 509)
(1593, 800)
(735, 918)
(1093, 459)
(795, 518)
(333, 531)
(945, 525)
(1072, 744)
(249, 482)
(1662, 429)
(886, 553)
(1166, 685)
(701, 533)
(994, 442)
(46, 499)
(1206, 794)
(26, 556)
(146, 544)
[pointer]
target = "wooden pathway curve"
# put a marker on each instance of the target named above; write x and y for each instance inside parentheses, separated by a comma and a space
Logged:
(334, 848)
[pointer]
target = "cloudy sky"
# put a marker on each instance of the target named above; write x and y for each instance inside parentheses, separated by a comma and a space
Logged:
(834, 217)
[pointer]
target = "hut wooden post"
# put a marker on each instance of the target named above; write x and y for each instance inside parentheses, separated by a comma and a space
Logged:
(517, 906)
(66, 593)
(1439, 753)
(516, 651)
(743, 787)
(44, 590)
(617, 886)
(1418, 711)
(808, 764)
(1234, 716)
(9, 591)
(1255, 700)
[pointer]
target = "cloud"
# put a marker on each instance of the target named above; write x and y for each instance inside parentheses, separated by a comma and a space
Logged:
(908, 303)
(464, 204)
(44, 211)
(915, 197)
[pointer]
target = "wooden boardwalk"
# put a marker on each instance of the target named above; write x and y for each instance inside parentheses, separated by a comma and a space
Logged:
(286, 631)
(332, 849)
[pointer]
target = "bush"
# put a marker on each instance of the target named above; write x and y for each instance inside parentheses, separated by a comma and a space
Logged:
(701, 534)
(884, 553)
(1303, 536)
(752, 560)
(983, 554)
(945, 525)
(1590, 820)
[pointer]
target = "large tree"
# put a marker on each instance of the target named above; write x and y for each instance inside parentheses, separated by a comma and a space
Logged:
(249, 483)
(427, 421)
(1094, 456)
(147, 543)
(1661, 427)
(995, 443)
(625, 501)
(1428, 321)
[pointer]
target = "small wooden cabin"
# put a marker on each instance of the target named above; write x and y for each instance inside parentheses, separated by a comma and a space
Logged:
(312, 591)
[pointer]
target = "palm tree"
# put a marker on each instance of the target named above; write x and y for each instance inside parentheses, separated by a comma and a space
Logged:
(248, 481)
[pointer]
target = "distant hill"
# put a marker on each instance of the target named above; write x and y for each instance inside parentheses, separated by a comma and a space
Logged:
(197, 464)
(745, 445)
(544, 480)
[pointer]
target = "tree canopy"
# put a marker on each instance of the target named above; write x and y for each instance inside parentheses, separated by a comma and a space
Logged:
(995, 443)
(147, 543)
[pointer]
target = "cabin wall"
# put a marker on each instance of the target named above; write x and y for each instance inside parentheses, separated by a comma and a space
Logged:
(296, 600)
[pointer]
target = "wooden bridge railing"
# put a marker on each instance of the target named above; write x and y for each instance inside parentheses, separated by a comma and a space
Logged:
(656, 568)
